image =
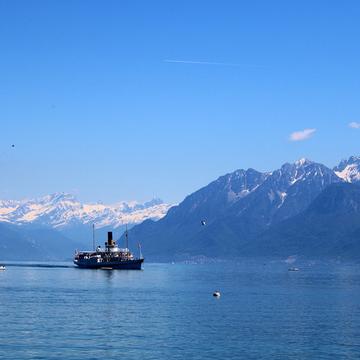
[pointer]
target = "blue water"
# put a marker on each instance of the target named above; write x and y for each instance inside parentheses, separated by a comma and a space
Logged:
(168, 312)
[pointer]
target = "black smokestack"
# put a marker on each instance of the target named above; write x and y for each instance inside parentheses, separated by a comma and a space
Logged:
(110, 239)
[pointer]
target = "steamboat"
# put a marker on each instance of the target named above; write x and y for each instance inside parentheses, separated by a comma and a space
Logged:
(109, 257)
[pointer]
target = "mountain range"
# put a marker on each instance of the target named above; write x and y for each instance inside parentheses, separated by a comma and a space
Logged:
(304, 208)
(250, 213)
(66, 222)
(61, 210)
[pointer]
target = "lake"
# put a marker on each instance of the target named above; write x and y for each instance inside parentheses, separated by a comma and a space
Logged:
(167, 311)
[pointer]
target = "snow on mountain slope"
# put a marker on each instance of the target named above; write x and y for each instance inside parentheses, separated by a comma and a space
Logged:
(62, 210)
(349, 170)
(350, 174)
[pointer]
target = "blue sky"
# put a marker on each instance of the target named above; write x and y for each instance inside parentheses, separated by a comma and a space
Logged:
(120, 100)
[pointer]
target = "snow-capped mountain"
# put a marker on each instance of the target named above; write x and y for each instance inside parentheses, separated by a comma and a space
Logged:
(349, 170)
(294, 186)
(237, 208)
(61, 210)
(243, 212)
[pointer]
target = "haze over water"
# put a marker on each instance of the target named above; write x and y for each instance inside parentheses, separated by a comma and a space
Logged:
(168, 311)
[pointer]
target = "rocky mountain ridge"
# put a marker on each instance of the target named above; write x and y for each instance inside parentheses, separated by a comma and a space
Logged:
(238, 207)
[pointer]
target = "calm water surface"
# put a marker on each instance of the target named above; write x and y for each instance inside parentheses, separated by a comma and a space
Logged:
(168, 312)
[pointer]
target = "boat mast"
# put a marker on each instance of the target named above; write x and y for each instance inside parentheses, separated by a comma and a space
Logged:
(126, 238)
(93, 228)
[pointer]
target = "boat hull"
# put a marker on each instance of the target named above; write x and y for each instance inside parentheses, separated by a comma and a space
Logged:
(119, 265)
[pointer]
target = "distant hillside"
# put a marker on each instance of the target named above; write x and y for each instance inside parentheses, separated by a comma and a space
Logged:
(34, 243)
(330, 227)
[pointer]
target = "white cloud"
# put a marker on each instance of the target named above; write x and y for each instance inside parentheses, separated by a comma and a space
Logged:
(302, 135)
(354, 125)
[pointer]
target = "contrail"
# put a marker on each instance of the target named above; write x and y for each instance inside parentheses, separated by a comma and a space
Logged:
(207, 63)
